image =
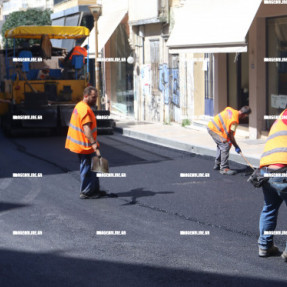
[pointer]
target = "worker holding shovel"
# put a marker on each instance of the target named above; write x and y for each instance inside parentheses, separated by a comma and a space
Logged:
(82, 140)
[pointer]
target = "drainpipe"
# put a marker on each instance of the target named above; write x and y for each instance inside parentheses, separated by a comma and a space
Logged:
(142, 35)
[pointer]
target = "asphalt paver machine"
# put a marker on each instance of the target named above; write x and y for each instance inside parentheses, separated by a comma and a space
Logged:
(39, 88)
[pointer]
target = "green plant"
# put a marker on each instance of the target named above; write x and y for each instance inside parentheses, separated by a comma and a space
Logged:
(185, 122)
(29, 17)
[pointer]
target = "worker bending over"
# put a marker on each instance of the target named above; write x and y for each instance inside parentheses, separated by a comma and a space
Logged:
(222, 129)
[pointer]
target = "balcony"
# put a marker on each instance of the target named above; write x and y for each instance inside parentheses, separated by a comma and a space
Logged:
(148, 11)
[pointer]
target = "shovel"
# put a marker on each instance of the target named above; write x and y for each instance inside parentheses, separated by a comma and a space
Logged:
(247, 161)
(99, 165)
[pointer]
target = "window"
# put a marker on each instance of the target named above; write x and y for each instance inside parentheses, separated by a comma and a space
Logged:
(208, 83)
(276, 70)
(60, 1)
(208, 76)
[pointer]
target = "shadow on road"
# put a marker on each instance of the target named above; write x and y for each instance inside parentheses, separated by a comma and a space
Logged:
(4, 206)
(20, 268)
(138, 193)
(246, 171)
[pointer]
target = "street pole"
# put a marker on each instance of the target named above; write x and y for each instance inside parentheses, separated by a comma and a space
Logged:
(97, 66)
(96, 11)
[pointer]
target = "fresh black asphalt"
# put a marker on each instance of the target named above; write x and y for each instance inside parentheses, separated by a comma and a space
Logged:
(153, 205)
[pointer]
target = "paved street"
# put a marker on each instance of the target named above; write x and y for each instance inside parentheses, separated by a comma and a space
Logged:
(154, 205)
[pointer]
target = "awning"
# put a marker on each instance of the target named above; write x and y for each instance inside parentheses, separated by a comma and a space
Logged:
(209, 26)
(106, 26)
(53, 32)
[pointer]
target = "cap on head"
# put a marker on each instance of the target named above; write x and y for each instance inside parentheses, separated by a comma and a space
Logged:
(245, 110)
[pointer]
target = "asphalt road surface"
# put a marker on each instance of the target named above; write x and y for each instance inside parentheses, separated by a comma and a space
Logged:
(70, 242)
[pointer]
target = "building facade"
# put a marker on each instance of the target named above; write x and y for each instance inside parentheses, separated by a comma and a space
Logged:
(188, 62)
(196, 61)
(116, 82)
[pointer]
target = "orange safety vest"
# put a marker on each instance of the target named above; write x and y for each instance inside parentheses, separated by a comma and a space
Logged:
(222, 122)
(275, 150)
(76, 140)
(79, 51)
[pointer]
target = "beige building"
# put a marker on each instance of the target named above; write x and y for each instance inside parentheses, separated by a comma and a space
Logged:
(245, 42)
(116, 83)
(168, 87)
(149, 30)
(192, 58)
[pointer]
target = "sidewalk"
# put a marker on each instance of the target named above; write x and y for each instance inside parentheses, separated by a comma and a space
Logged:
(193, 139)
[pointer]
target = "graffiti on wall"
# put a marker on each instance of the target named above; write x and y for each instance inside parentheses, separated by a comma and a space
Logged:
(146, 80)
(164, 82)
(151, 102)
(169, 84)
(174, 86)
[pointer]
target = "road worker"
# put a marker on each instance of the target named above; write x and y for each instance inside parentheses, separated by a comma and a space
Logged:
(222, 129)
(66, 62)
(78, 51)
(82, 139)
(273, 164)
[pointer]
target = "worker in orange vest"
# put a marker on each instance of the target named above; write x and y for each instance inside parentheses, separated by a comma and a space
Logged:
(82, 139)
(273, 165)
(222, 129)
(76, 51)
(79, 51)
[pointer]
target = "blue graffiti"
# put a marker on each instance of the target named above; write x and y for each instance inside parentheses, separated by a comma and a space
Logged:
(174, 86)
(163, 82)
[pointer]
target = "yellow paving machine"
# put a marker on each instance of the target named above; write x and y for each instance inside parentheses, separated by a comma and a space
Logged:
(40, 84)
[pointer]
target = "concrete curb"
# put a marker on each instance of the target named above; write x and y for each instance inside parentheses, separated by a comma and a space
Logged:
(192, 148)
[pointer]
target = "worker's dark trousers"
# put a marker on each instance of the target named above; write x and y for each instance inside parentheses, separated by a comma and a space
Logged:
(223, 147)
(89, 180)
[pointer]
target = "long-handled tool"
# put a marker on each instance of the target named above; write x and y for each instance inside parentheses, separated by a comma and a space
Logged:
(247, 161)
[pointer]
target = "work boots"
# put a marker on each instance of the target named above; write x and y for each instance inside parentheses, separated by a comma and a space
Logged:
(216, 166)
(227, 171)
(271, 251)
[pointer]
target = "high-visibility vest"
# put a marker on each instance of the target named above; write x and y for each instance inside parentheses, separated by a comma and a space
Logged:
(79, 51)
(275, 149)
(222, 122)
(76, 140)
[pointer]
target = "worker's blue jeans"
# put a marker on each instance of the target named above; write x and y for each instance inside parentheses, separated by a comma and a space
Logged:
(275, 192)
(89, 180)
